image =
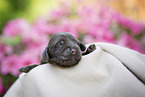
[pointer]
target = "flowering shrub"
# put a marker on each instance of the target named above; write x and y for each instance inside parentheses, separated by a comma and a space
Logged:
(21, 43)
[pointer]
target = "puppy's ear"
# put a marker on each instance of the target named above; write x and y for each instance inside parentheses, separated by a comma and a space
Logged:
(45, 56)
(82, 46)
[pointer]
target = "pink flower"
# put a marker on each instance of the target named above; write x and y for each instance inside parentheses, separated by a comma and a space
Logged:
(123, 39)
(28, 58)
(88, 39)
(1, 51)
(10, 65)
(58, 14)
(16, 27)
(143, 39)
(101, 32)
(143, 43)
(86, 11)
(128, 41)
(43, 26)
(35, 39)
(68, 26)
(5, 50)
(135, 27)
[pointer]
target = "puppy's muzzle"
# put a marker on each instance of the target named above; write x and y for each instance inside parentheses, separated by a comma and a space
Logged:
(70, 51)
(73, 51)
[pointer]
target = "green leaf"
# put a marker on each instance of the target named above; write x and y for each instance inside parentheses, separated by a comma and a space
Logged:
(8, 80)
(11, 40)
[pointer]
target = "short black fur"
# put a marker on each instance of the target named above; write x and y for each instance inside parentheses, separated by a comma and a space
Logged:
(62, 50)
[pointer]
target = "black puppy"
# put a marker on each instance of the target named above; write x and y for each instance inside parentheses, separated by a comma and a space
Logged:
(64, 50)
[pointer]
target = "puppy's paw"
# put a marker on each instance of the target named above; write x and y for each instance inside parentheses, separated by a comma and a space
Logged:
(26, 69)
(91, 48)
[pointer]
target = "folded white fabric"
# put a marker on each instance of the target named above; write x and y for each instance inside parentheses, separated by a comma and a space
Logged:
(109, 71)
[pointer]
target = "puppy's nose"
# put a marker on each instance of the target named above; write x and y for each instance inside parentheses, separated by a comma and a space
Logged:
(73, 51)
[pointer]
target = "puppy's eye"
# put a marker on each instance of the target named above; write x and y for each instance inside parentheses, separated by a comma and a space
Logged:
(61, 42)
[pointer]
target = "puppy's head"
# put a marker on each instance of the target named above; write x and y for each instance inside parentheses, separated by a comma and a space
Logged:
(63, 49)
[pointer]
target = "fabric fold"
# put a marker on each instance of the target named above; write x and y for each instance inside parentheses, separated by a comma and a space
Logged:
(133, 60)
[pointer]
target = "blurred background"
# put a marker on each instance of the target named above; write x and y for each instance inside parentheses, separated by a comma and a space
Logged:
(27, 25)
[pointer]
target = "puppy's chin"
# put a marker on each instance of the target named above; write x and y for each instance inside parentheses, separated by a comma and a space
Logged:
(69, 62)
(65, 61)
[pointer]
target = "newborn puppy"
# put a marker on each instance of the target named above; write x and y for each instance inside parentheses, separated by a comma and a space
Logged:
(63, 50)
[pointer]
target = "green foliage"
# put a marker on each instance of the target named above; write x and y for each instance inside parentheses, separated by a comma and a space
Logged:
(28, 9)
(11, 40)
(19, 5)
(10, 9)
(6, 80)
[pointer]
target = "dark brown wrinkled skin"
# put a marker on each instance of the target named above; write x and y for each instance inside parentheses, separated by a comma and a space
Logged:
(62, 50)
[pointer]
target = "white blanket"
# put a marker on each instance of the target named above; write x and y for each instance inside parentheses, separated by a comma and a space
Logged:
(109, 71)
